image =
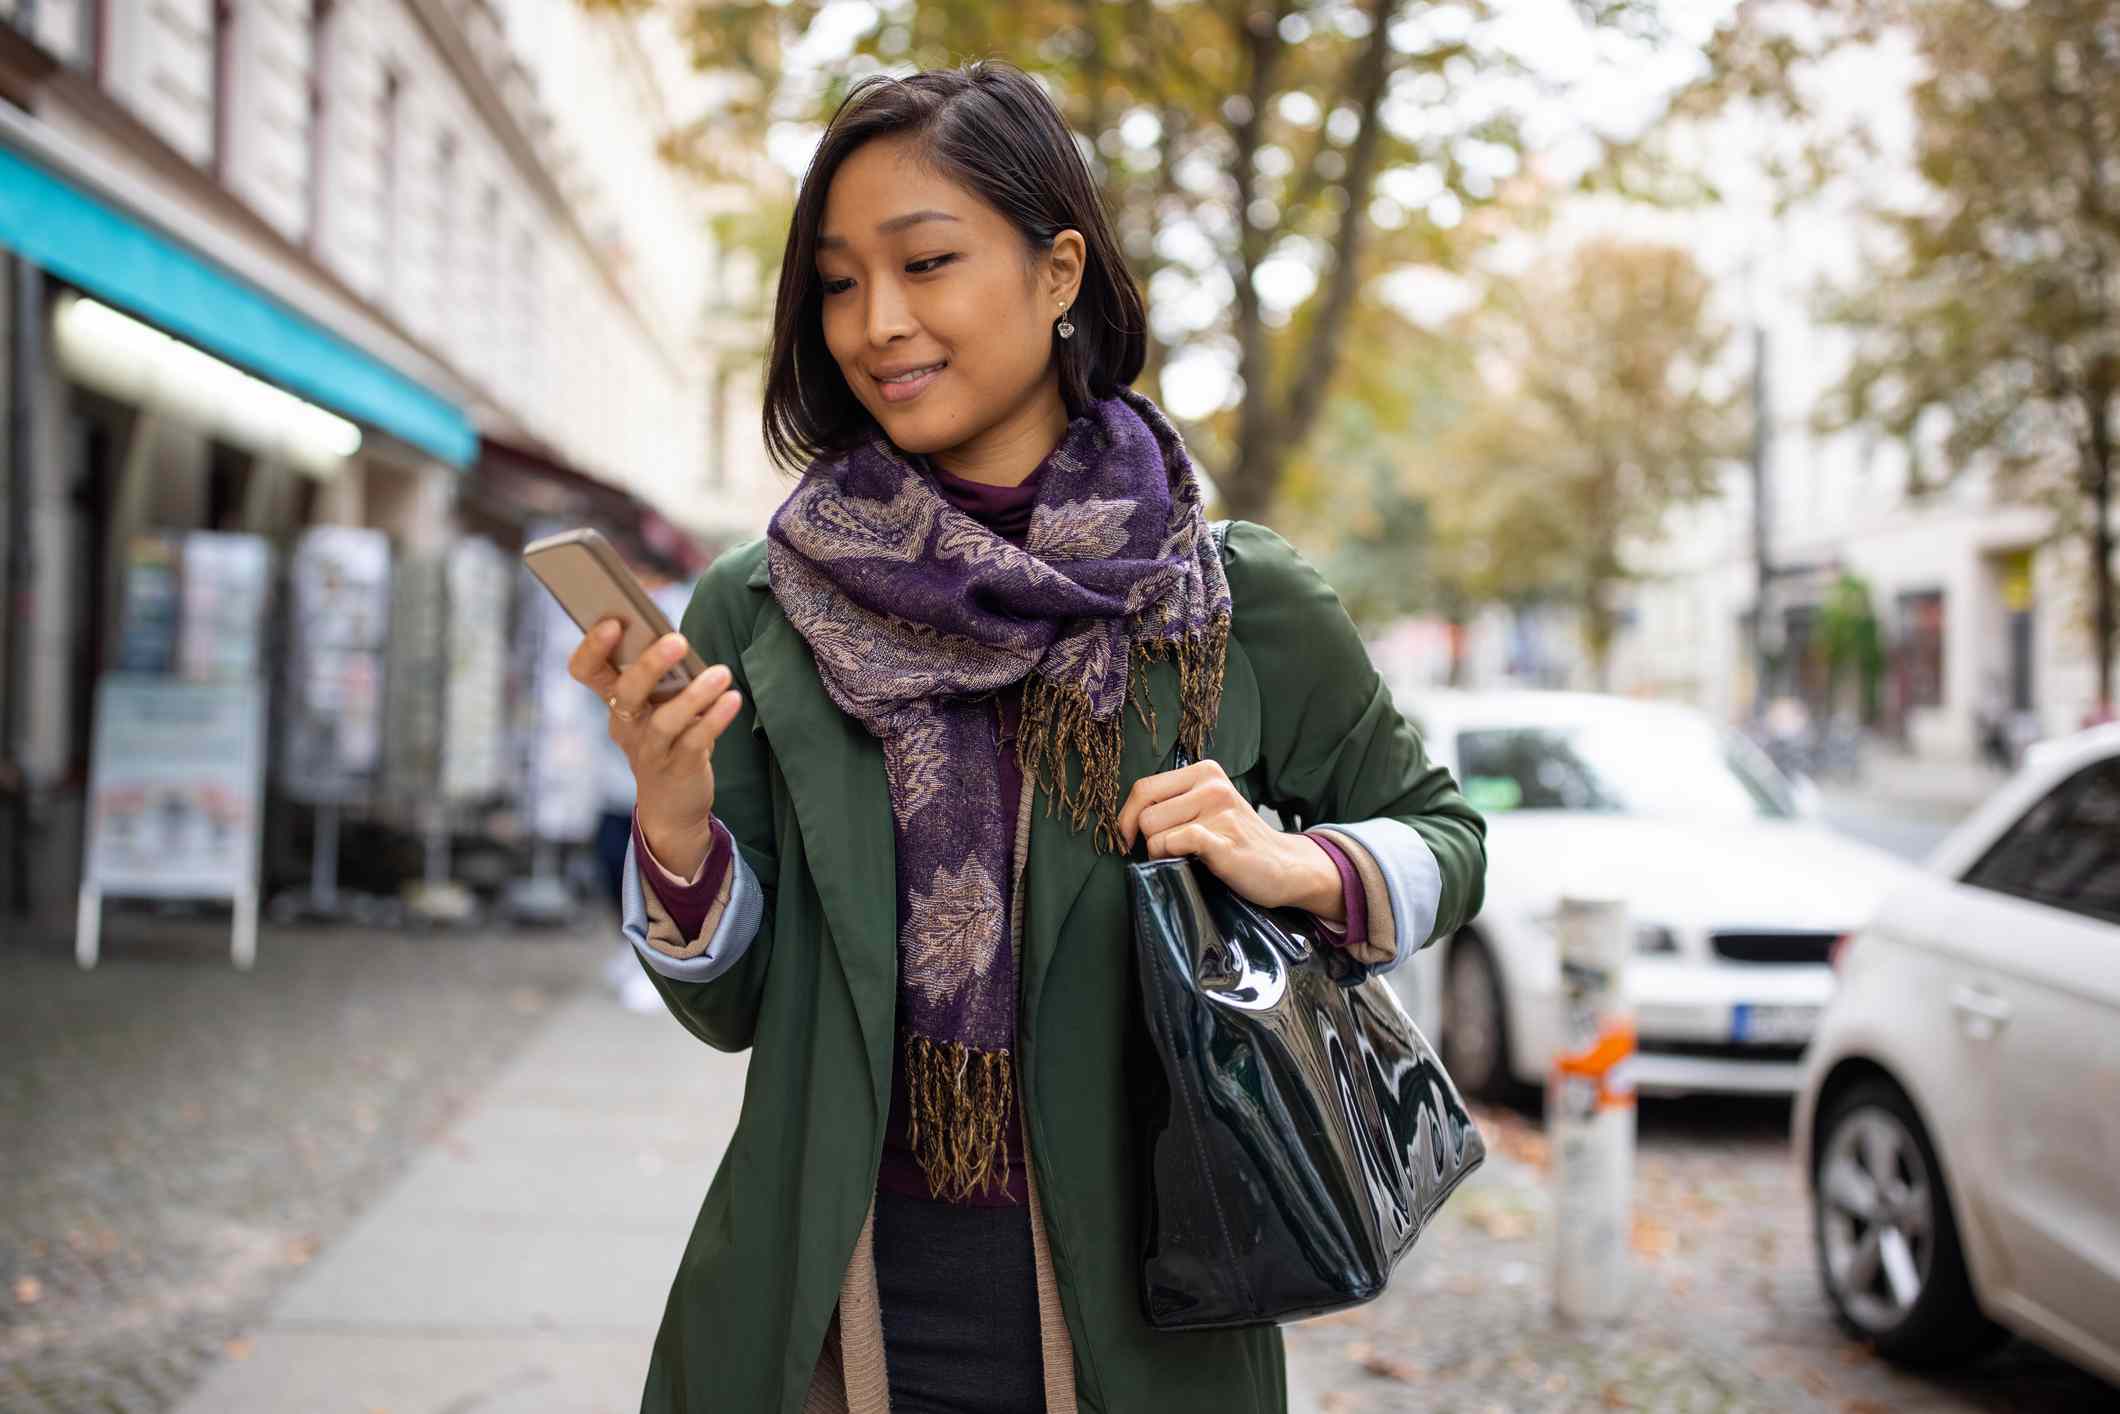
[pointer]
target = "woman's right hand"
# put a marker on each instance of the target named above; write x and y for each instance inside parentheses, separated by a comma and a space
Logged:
(669, 745)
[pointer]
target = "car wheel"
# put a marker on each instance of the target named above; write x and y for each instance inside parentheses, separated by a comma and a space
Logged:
(1475, 1022)
(1888, 1249)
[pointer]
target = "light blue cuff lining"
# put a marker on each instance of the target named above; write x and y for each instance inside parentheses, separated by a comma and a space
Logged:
(1412, 879)
(740, 918)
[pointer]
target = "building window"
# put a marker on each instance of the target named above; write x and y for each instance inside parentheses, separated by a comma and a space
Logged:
(1921, 648)
(390, 140)
(445, 184)
(490, 277)
(320, 55)
(95, 40)
(223, 17)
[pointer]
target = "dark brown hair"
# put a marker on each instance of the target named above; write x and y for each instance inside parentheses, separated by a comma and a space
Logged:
(992, 130)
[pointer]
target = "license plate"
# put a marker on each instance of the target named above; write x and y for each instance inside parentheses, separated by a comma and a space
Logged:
(1772, 1025)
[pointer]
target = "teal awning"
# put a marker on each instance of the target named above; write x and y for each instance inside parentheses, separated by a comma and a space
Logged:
(86, 241)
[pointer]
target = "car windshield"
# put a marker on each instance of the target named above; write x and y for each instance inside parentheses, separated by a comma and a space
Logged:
(1663, 767)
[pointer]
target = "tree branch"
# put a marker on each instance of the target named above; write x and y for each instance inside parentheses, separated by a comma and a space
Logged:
(1320, 355)
(1261, 38)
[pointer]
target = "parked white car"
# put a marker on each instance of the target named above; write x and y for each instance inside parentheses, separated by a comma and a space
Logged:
(1737, 896)
(1959, 1120)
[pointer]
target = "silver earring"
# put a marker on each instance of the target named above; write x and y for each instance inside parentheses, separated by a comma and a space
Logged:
(1065, 328)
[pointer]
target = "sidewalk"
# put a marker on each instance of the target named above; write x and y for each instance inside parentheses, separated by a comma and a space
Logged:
(1922, 787)
(522, 1262)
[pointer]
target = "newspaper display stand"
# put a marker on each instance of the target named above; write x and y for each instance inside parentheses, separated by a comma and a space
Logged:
(448, 677)
(332, 733)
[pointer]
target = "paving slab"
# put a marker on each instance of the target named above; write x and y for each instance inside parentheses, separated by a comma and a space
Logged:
(523, 1261)
(359, 1372)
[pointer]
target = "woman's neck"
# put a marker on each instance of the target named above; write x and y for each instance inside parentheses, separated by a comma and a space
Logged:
(1008, 452)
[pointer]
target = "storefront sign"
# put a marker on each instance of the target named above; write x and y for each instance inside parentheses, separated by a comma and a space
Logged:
(175, 797)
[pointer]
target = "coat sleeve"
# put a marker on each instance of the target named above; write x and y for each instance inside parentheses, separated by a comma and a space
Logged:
(716, 991)
(1337, 758)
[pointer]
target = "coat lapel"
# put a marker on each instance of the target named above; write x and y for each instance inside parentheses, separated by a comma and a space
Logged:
(834, 770)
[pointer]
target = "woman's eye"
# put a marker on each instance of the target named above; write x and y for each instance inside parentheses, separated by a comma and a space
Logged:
(833, 287)
(922, 267)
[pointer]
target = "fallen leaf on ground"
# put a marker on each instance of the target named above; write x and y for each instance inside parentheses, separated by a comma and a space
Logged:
(1652, 1238)
(28, 1291)
(1501, 1224)
(1526, 1146)
(1865, 1406)
(238, 1347)
(1384, 1367)
(1615, 1398)
(299, 1250)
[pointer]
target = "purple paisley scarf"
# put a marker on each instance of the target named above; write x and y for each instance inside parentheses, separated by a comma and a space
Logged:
(918, 616)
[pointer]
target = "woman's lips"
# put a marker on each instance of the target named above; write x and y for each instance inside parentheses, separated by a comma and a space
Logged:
(901, 392)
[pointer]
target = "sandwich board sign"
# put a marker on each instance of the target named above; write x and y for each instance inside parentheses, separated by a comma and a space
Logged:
(176, 795)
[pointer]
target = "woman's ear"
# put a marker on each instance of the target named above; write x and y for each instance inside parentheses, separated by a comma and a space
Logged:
(1064, 264)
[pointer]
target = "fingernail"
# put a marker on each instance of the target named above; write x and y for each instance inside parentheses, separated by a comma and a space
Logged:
(608, 630)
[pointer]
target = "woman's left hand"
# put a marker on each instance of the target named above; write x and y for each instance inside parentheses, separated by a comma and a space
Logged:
(1196, 811)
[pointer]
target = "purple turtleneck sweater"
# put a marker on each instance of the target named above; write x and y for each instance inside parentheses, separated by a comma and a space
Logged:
(1005, 510)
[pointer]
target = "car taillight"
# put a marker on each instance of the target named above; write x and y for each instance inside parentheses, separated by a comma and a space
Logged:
(1837, 955)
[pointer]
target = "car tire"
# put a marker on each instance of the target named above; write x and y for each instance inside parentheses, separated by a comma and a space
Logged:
(1883, 1235)
(1475, 1047)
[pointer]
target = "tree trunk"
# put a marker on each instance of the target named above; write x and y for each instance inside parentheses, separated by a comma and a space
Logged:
(1597, 637)
(1270, 421)
(2101, 475)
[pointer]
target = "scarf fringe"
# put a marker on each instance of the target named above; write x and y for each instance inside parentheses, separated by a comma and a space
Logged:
(958, 1120)
(1057, 722)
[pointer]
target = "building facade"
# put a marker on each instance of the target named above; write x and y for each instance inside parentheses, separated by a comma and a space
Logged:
(274, 264)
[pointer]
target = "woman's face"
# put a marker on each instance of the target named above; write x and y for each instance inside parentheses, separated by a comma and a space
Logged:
(918, 276)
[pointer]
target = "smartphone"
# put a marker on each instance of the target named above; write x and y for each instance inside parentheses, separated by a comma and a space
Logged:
(592, 584)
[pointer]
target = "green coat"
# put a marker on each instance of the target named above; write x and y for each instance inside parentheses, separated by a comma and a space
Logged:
(1306, 724)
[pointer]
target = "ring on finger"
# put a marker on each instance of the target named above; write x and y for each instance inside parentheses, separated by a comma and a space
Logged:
(619, 712)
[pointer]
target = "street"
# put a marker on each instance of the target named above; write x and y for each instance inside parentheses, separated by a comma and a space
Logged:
(1727, 1310)
(427, 1173)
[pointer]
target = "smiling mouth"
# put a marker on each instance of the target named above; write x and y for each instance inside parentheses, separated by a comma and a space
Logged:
(909, 385)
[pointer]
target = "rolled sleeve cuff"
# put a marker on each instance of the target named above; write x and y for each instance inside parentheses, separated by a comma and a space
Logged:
(1353, 926)
(724, 936)
(691, 903)
(1402, 887)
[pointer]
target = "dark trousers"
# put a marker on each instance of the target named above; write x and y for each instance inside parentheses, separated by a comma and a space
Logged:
(959, 1289)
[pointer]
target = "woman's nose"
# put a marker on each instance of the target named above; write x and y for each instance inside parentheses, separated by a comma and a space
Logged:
(890, 317)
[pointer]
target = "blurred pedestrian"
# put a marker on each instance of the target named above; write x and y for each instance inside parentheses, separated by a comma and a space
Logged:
(995, 581)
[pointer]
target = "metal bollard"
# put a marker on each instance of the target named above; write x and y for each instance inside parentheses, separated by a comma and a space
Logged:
(1590, 1114)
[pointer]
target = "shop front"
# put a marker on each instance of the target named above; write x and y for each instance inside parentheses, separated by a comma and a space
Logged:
(174, 434)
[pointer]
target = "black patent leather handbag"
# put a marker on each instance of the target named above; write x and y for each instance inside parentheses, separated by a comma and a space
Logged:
(1303, 1132)
(1298, 1130)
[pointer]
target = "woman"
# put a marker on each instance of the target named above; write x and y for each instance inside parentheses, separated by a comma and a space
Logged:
(993, 584)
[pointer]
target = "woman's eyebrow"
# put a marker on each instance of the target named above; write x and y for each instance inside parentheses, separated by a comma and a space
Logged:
(884, 228)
